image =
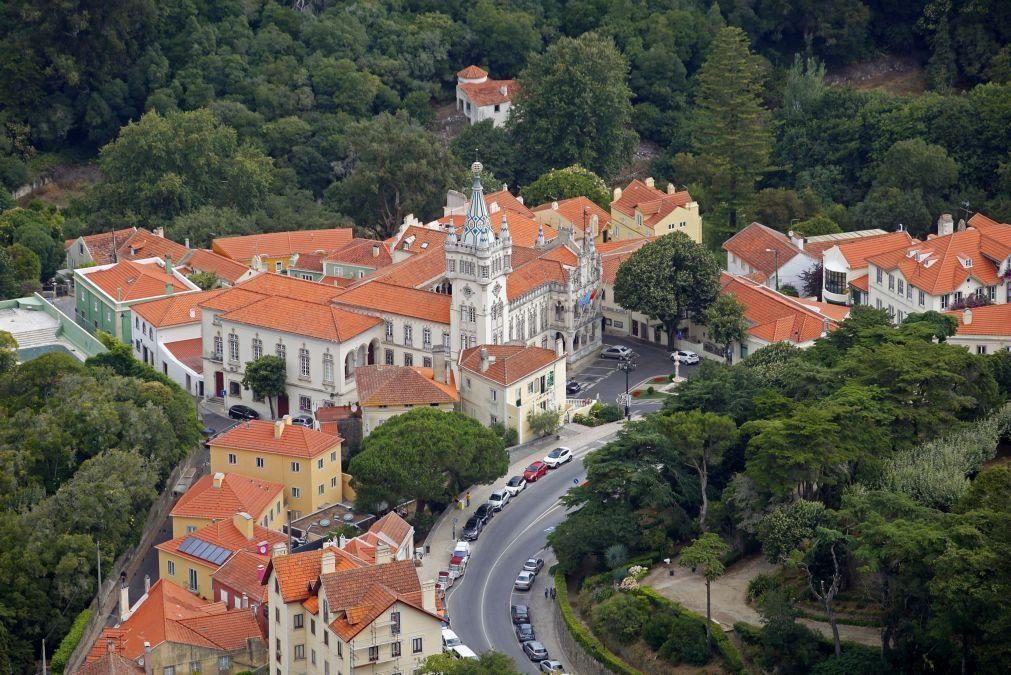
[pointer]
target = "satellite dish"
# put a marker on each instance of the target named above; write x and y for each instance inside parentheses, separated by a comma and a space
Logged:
(348, 517)
(325, 522)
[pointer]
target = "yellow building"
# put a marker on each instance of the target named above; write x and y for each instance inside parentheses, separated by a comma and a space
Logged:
(641, 210)
(577, 216)
(305, 461)
(190, 560)
(221, 496)
(272, 252)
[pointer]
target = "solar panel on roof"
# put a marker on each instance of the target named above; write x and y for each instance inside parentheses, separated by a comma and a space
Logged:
(198, 548)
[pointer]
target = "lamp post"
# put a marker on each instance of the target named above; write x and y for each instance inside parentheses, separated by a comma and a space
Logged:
(775, 257)
(627, 364)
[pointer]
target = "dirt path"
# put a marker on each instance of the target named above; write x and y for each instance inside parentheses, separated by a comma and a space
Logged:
(729, 595)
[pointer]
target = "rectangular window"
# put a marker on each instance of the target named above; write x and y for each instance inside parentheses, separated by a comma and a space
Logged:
(395, 623)
(194, 581)
(923, 297)
(224, 663)
(958, 296)
(277, 619)
(321, 489)
(257, 348)
(295, 467)
(426, 362)
(494, 394)
(902, 287)
(445, 339)
(426, 337)
(233, 347)
(992, 293)
(299, 620)
(295, 493)
(333, 456)
(171, 568)
(299, 652)
(169, 670)
(388, 357)
(312, 654)
(328, 367)
(232, 459)
(305, 404)
(259, 462)
(281, 350)
(891, 282)
(373, 653)
(303, 362)
(218, 347)
(408, 334)
(416, 646)
(333, 482)
(389, 330)
(312, 626)
(981, 349)
(277, 266)
(945, 299)
(879, 274)
(190, 529)
(319, 463)
(408, 359)
(195, 667)
(395, 649)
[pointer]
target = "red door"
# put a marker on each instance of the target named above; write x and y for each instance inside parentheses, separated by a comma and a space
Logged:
(219, 383)
(282, 406)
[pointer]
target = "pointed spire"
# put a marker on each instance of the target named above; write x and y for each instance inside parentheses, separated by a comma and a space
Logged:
(477, 223)
(540, 236)
(503, 232)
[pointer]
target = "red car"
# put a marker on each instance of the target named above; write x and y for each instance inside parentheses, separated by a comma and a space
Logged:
(535, 471)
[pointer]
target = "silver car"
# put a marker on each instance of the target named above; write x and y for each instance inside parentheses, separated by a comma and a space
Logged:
(616, 352)
(524, 581)
(498, 499)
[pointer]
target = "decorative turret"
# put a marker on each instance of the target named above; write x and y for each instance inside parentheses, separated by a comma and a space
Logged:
(540, 237)
(477, 230)
(503, 233)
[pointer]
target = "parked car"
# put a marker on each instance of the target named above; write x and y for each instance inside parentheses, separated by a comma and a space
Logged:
(534, 565)
(551, 666)
(516, 485)
(535, 650)
(524, 580)
(535, 471)
(498, 499)
(304, 421)
(457, 566)
(572, 387)
(463, 652)
(484, 513)
(616, 352)
(450, 639)
(472, 529)
(243, 412)
(557, 457)
(445, 578)
(462, 549)
(525, 632)
(520, 614)
(684, 356)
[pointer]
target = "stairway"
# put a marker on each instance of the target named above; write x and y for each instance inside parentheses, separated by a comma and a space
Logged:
(36, 337)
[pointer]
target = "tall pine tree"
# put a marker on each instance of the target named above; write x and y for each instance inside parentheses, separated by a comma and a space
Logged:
(731, 131)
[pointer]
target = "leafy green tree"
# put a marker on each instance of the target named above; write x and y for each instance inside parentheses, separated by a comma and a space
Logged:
(574, 105)
(425, 454)
(544, 422)
(725, 322)
(394, 167)
(8, 352)
(817, 225)
(780, 208)
(666, 278)
(266, 376)
(699, 440)
(202, 225)
(622, 616)
(490, 662)
(27, 268)
(205, 280)
(11, 281)
(492, 145)
(705, 555)
(506, 37)
(41, 243)
(915, 165)
(731, 127)
(572, 181)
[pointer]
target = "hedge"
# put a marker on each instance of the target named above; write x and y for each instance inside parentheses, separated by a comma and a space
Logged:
(586, 640)
(724, 646)
(71, 641)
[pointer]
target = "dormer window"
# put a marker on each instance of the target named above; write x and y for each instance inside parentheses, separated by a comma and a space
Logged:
(967, 263)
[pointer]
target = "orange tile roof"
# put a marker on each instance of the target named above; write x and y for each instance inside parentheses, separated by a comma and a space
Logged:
(243, 573)
(303, 318)
(103, 246)
(144, 244)
(311, 604)
(857, 251)
(224, 534)
(172, 614)
(296, 571)
(533, 274)
(995, 240)
(985, 320)
(338, 282)
(861, 283)
(750, 245)
(419, 239)
(384, 297)
(523, 229)
(936, 265)
(237, 493)
(282, 244)
(774, 317)
(650, 201)
(489, 92)
(382, 385)
(281, 285)
(562, 254)
(472, 73)
(512, 362)
(391, 527)
(295, 441)
(419, 270)
(362, 252)
(361, 595)
(230, 299)
(190, 353)
(174, 310)
(110, 664)
(201, 260)
(506, 201)
(833, 311)
(361, 549)
(577, 211)
(130, 280)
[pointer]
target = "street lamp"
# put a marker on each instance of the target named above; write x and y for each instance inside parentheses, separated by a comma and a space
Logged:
(775, 254)
(627, 364)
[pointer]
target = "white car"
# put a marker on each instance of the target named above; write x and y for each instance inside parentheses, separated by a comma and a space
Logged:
(498, 499)
(516, 485)
(450, 640)
(524, 580)
(616, 352)
(684, 357)
(557, 457)
(463, 652)
(462, 549)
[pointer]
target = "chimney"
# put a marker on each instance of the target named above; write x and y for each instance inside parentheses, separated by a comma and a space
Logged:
(278, 429)
(519, 199)
(945, 224)
(617, 194)
(796, 239)
(148, 666)
(484, 359)
(169, 288)
(342, 541)
(243, 523)
(824, 327)
(383, 553)
(159, 232)
(439, 364)
(328, 562)
(280, 550)
(504, 89)
(967, 317)
(147, 583)
(124, 600)
(554, 206)
(428, 595)
(375, 250)
(260, 569)
(186, 242)
(671, 189)
(559, 347)
(961, 225)
(287, 420)
(245, 601)
(650, 182)
(218, 479)
(110, 646)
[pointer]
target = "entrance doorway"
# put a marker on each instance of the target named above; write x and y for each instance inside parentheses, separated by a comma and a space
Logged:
(282, 405)
(219, 383)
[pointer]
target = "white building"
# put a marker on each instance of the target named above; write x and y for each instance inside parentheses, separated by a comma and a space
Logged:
(983, 330)
(480, 98)
(768, 257)
(844, 280)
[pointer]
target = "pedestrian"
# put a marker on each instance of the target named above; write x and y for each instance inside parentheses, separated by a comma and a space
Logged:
(552, 592)
(468, 500)
(545, 592)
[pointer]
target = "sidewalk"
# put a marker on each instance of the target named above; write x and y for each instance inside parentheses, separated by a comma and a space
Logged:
(440, 540)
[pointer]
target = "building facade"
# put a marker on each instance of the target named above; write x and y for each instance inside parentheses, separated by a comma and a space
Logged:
(640, 210)
(480, 98)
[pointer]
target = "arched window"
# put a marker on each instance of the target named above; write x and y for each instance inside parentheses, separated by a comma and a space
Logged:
(349, 365)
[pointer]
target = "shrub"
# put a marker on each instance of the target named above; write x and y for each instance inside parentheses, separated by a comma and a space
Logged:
(622, 616)
(544, 422)
(608, 412)
(657, 630)
(588, 642)
(650, 389)
(507, 434)
(616, 555)
(586, 420)
(686, 643)
(854, 659)
(70, 642)
(760, 585)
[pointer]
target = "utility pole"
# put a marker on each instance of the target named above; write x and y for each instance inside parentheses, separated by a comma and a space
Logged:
(44, 656)
(98, 548)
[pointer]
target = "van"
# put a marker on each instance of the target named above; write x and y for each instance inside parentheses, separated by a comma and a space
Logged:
(450, 640)
(463, 652)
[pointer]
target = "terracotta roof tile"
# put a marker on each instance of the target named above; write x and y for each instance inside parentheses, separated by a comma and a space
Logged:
(311, 604)
(282, 244)
(201, 260)
(128, 280)
(232, 298)
(522, 229)
(281, 285)
(418, 239)
(394, 529)
(506, 201)
(942, 264)
(110, 664)
(346, 588)
(362, 252)
(144, 244)
(419, 270)
(649, 201)
(174, 310)
(861, 283)
(577, 211)
(489, 92)
(103, 246)
(532, 275)
(303, 318)
(382, 385)
(223, 534)
(243, 573)
(750, 245)
(296, 571)
(512, 362)
(190, 353)
(857, 251)
(237, 493)
(387, 298)
(985, 320)
(472, 73)
(338, 282)
(258, 435)
(774, 317)
(616, 253)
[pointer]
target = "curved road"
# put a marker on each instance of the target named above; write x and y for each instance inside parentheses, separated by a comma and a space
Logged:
(479, 602)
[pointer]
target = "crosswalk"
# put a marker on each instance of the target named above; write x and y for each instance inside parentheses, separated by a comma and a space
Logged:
(590, 376)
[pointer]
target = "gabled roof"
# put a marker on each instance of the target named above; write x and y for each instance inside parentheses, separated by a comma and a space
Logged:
(169, 613)
(489, 92)
(940, 265)
(243, 573)
(533, 274)
(386, 298)
(201, 260)
(419, 270)
(418, 239)
(190, 353)
(224, 535)
(654, 204)
(282, 244)
(774, 317)
(103, 246)
(128, 280)
(751, 244)
(297, 317)
(857, 251)
(282, 285)
(995, 240)
(991, 320)
(512, 362)
(358, 596)
(362, 252)
(296, 571)
(383, 385)
(237, 493)
(861, 283)
(614, 253)
(506, 201)
(393, 529)
(175, 310)
(110, 663)
(145, 244)
(258, 436)
(576, 211)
